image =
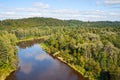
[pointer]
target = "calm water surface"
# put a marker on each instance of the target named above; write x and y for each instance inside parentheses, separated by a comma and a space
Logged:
(36, 64)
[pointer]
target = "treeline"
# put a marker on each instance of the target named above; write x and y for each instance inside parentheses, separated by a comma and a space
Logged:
(8, 54)
(94, 52)
(92, 48)
(30, 22)
(37, 22)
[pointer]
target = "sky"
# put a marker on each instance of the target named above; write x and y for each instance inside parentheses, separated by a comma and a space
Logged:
(85, 10)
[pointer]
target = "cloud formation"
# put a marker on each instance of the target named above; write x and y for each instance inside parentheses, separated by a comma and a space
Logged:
(26, 68)
(44, 10)
(41, 5)
(112, 2)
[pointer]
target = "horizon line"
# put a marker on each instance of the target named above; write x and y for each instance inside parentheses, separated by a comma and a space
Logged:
(60, 19)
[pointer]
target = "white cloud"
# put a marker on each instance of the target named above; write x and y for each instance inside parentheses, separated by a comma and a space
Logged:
(41, 5)
(112, 2)
(91, 15)
(65, 11)
(26, 67)
(35, 11)
(42, 57)
(7, 13)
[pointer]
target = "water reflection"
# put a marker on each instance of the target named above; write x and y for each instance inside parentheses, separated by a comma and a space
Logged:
(26, 68)
(35, 64)
(29, 43)
(31, 57)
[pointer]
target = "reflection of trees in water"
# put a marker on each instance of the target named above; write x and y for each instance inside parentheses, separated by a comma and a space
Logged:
(12, 75)
(29, 43)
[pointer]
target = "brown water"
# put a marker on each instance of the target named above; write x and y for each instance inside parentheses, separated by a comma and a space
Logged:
(36, 64)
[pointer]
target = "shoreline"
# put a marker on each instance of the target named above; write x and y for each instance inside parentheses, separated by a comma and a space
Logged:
(53, 55)
(6, 74)
(63, 61)
(69, 65)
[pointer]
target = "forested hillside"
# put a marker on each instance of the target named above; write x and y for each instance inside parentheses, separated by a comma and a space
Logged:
(91, 48)
(37, 22)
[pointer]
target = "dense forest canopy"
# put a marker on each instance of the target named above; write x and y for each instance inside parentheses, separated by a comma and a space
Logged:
(93, 48)
(36, 22)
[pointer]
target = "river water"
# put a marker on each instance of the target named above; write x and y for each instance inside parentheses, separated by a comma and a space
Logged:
(36, 64)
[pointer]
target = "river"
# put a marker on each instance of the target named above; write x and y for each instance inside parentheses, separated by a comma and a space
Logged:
(36, 64)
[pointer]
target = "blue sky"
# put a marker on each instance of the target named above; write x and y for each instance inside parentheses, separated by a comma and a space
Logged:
(85, 10)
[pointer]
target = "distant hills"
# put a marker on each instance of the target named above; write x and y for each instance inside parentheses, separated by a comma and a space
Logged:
(40, 21)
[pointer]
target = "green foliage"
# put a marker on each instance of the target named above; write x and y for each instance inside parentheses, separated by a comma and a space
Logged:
(7, 52)
(92, 48)
(88, 49)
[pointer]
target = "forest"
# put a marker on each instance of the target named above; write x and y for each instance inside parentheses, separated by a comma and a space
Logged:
(91, 48)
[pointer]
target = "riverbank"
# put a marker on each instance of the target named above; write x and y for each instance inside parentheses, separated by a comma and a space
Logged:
(6, 70)
(43, 64)
(58, 56)
(33, 38)
(75, 68)
(5, 73)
